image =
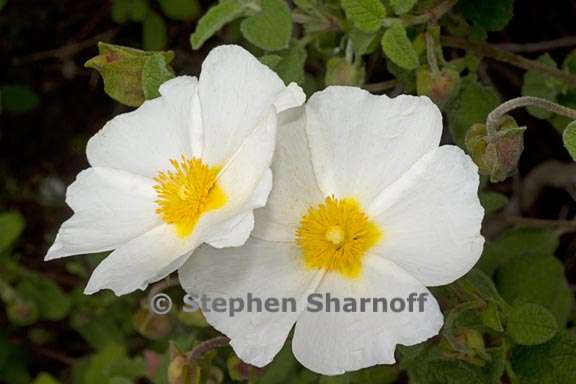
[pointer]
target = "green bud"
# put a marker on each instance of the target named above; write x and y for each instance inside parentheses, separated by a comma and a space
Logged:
(179, 367)
(131, 75)
(21, 312)
(440, 87)
(193, 319)
(498, 157)
(340, 72)
(152, 326)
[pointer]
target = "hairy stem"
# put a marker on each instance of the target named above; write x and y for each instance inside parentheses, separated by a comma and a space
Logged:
(525, 101)
(508, 57)
(201, 349)
(563, 42)
(431, 54)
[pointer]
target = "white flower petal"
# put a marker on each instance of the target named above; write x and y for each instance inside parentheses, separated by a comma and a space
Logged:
(235, 231)
(431, 218)
(295, 187)
(111, 207)
(246, 178)
(142, 261)
(332, 343)
(264, 269)
(143, 141)
(361, 143)
(236, 90)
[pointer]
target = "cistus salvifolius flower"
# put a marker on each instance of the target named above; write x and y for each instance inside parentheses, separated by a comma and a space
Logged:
(365, 204)
(186, 168)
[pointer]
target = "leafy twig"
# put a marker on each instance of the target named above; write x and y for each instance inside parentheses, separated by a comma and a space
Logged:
(563, 42)
(508, 57)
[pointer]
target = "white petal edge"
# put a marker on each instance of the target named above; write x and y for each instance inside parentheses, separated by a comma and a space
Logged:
(143, 141)
(142, 261)
(332, 343)
(295, 187)
(431, 218)
(111, 207)
(265, 269)
(361, 143)
(236, 90)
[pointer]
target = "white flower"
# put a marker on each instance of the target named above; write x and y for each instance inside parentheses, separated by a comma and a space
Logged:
(365, 204)
(186, 168)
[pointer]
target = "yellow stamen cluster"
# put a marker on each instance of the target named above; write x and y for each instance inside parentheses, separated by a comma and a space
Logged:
(187, 192)
(335, 235)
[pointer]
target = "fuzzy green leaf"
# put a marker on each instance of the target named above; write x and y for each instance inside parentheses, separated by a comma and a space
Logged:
(180, 9)
(472, 104)
(366, 15)
(538, 279)
(154, 36)
(212, 21)
(540, 85)
(11, 226)
(551, 363)
(18, 98)
(492, 201)
(530, 324)
(129, 10)
(492, 15)
(156, 71)
(569, 138)
(291, 67)
(271, 28)
(399, 48)
(401, 7)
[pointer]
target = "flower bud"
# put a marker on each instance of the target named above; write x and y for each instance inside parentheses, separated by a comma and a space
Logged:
(441, 87)
(179, 367)
(152, 326)
(128, 72)
(340, 72)
(499, 156)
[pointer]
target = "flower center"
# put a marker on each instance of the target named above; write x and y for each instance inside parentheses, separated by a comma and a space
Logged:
(335, 235)
(187, 192)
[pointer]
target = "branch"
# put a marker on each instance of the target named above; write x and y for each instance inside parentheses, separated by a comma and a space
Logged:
(563, 42)
(507, 57)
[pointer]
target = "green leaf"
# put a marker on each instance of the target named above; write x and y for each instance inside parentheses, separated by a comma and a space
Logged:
(520, 241)
(281, 368)
(213, 20)
(492, 201)
(445, 372)
(180, 9)
(18, 98)
(363, 42)
(541, 85)
(366, 15)
(2, 3)
(154, 35)
(530, 324)
(551, 363)
(129, 10)
(121, 69)
(569, 138)
(401, 7)
(271, 28)
(398, 47)
(11, 227)
(45, 378)
(291, 67)
(51, 301)
(156, 71)
(536, 278)
(340, 379)
(492, 15)
(271, 60)
(472, 105)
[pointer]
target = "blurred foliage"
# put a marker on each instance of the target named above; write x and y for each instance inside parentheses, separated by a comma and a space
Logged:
(511, 319)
